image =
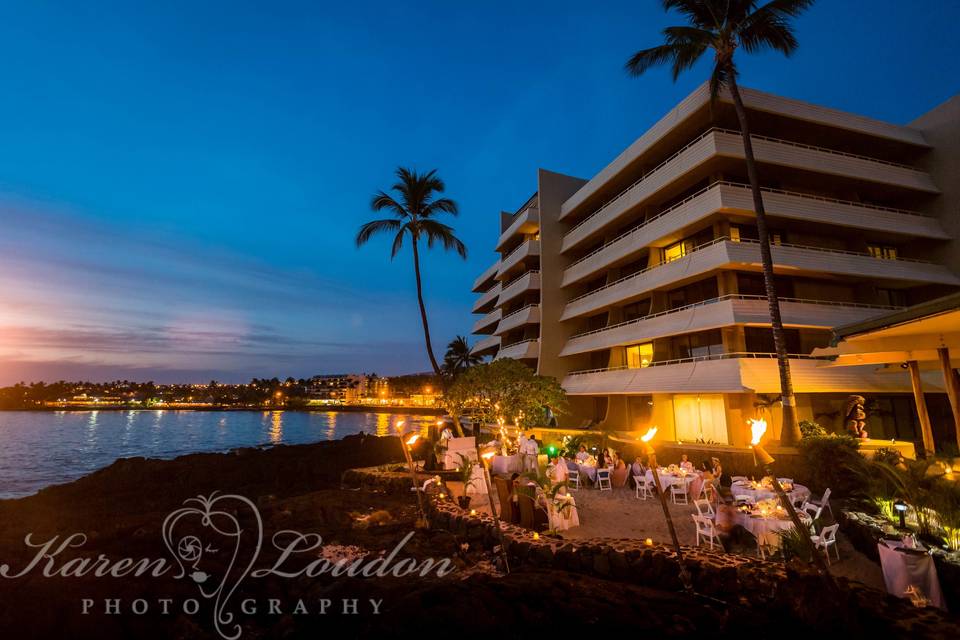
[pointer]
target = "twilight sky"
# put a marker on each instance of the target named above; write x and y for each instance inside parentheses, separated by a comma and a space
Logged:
(180, 183)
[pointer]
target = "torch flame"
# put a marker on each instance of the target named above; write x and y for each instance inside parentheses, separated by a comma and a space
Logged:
(413, 439)
(652, 431)
(488, 454)
(399, 424)
(758, 427)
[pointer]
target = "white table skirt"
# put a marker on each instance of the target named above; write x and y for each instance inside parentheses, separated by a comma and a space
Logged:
(902, 570)
(563, 519)
(586, 471)
(764, 529)
(694, 480)
(503, 465)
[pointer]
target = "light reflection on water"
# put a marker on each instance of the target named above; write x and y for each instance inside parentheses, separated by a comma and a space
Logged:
(38, 448)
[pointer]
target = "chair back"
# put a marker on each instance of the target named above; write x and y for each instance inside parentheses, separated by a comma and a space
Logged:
(503, 493)
(527, 507)
(811, 510)
(829, 534)
(704, 525)
(826, 497)
(704, 508)
(572, 466)
(738, 479)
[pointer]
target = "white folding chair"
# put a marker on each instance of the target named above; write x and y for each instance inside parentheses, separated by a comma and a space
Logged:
(811, 510)
(827, 539)
(573, 479)
(704, 508)
(603, 480)
(644, 487)
(823, 502)
(707, 530)
(679, 489)
(738, 479)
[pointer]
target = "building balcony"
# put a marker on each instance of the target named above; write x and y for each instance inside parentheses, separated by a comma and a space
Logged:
(744, 255)
(487, 323)
(486, 347)
(756, 100)
(733, 373)
(722, 143)
(529, 281)
(486, 302)
(515, 259)
(524, 350)
(529, 314)
(486, 279)
(524, 223)
(737, 198)
(721, 312)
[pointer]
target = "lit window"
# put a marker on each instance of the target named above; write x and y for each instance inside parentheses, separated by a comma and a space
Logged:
(775, 238)
(882, 252)
(639, 355)
(674, 252)
(735, 234)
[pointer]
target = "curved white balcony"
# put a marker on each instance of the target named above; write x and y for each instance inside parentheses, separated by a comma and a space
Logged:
(723, 143)
(733, 373)
(721, 312)
(524, 223)
(486, 347)
(488, 322)
(524, 350)
(529, 314)
(724, 253)
(485, 302)
(729, 196)
(527, 249)
(486, 279)
(529, 281)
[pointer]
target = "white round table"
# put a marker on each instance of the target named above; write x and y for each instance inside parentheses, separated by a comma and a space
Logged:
(799, 493)
(765, 529)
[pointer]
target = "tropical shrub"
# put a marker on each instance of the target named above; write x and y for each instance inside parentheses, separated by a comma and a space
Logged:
(809, 429)
(834, 462)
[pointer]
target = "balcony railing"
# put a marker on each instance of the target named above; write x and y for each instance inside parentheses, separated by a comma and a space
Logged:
(718, 356)
(519, 277)
(736, 296)
(713, 130)
(744, 241)
(518, 311)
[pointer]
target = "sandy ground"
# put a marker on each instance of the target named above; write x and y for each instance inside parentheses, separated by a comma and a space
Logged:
(619, 514)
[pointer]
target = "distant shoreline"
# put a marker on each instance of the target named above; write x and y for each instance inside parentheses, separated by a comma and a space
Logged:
(414, 411)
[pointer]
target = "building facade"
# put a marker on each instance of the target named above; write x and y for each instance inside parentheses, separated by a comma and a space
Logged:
(640, 288)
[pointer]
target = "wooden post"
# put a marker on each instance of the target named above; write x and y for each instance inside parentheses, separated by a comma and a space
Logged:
(925, 427)
(952, 386)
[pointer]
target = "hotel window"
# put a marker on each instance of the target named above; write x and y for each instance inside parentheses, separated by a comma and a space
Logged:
(776, 238)
(892, 297)
(882, 251)
(697, 345)
(639, 356)
(674, 252)
(735, 233)
(700, 418)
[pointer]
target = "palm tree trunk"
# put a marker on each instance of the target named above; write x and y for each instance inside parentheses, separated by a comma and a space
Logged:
(790, 430)
(423, 309)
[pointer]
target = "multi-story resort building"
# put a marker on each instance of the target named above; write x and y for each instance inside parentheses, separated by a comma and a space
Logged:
(640, 288)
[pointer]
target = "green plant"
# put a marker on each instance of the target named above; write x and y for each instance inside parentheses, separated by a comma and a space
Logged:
(834, 461)
(810, 429)
(793, 544)
(465, 469)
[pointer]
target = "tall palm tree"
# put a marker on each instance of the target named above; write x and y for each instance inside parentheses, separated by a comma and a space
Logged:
(415, 209)
(458, 357)
(723, 26)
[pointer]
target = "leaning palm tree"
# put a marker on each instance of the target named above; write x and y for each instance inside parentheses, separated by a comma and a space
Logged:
(458, 357)
(415, 209)
(723, 26)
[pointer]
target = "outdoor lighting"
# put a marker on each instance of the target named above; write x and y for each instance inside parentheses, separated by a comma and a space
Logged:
(901, 508)
(648, 542)
(406, 440)
(486, 454)
(758, 427)
(652, 461)
(536, 536)
(473, 512)
(412, 439)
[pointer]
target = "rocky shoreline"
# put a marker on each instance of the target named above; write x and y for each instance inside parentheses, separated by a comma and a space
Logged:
(121, 512)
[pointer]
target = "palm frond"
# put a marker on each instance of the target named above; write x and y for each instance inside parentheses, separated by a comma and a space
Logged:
(381, 201)
(444, 205)
(646, 59)
(439, 232)
(374, 227)
(698, 12)
(766, 29)
(398, 242)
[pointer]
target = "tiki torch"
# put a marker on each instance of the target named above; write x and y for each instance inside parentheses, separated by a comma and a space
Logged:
(764, 459)
(485, 455)
(407, 440)
(652, 461)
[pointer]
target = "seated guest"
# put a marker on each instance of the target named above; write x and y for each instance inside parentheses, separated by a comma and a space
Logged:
(560, 472)
(582, 455)
(637, 468)
(603, 459)
(716, 469)
(618, 462)
(685, 463)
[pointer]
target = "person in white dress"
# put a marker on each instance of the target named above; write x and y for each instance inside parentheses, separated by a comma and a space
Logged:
(582, 455)
(685, 463)
(529, 450)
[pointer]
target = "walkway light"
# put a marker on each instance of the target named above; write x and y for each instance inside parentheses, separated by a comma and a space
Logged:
(901, 508)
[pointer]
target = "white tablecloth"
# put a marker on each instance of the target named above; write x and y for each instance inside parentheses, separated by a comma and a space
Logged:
(587, 471)
(902, 570)
(799, 493)
(694, 481)
(504, 465)
(564, 518)
(764, 529)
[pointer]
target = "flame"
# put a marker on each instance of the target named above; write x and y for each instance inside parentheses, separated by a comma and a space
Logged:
(399, 424)
(413, 439)
(758, 427)
(652, 431)
(488, 454)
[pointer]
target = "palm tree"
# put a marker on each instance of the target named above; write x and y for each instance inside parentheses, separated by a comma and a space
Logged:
(458, 357)
(723, 26)
(414, 213)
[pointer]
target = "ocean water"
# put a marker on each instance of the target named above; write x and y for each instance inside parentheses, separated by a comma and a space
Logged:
(42, 448)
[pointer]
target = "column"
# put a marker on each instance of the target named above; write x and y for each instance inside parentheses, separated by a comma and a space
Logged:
(952, 386)
(921, 403)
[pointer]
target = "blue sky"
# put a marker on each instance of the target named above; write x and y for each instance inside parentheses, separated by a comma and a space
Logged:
(180, 183)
